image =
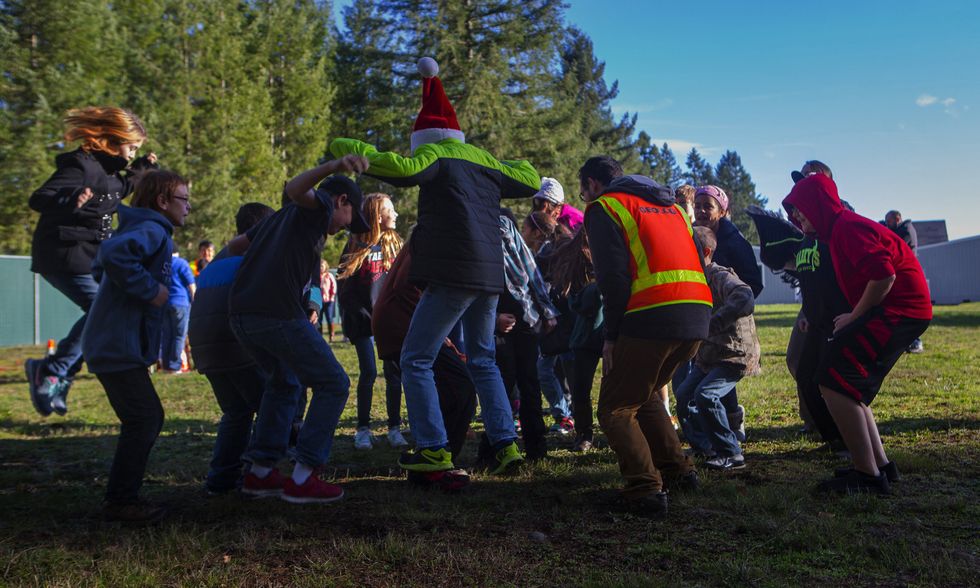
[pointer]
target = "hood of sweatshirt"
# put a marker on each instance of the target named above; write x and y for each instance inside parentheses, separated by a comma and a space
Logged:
(816, 197)
(129, 216)
(643, 187)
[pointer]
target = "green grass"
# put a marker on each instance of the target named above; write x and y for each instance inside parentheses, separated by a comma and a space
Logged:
(760, 526)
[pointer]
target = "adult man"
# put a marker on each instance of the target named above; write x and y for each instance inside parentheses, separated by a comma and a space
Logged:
(906, 231)
(657, 305)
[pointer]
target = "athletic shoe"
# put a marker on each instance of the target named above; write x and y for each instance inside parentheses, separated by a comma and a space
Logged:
(889, 469)
(362, 438)
(271, 485)
(396, 439)
(653, 506)
(40, 386)
(688, 482)
(856, 482)
(582, 444)
(450, 481)
(916, 347)
(676, 423)
(517, 426)
(140, 512)
(566, 426)
(736, 422)
(59, 397)
(735, 462)
(506, 460)
(427, 460)
(313, 490)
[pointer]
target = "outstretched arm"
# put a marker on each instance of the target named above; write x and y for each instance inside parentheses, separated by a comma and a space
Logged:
(390, 167)
(300, 188)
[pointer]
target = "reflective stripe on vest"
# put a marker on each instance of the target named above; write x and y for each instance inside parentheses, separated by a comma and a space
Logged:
(675, 275)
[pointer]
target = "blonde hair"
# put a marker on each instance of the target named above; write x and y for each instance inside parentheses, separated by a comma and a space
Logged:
(103, 128)
(388, 239)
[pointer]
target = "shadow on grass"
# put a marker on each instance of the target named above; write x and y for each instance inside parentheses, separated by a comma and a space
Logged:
(889, 427)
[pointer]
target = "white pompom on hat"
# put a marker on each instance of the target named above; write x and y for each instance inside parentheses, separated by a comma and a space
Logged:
(551, 191)
(437, 118)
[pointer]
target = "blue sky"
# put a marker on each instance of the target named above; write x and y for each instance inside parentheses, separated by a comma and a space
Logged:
(886, 93)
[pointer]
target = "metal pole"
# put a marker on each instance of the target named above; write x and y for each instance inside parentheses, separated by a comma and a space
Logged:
(37, 309)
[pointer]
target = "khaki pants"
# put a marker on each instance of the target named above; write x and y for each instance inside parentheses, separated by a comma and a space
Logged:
(633, 416)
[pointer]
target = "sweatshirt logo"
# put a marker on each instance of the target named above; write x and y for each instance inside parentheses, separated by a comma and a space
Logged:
(808, 259)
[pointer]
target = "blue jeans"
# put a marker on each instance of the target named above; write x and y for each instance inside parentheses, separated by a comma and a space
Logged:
(294, 356)
(552, 387)
(701, 412)
(368, 367)
(173, 336)
(438, 311)
(239, 394)
(80, 289)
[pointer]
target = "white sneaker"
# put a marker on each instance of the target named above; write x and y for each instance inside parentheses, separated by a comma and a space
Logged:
(396, 439)
(362, 438)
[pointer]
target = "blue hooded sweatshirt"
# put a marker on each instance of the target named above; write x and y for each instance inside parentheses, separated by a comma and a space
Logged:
(122, 331)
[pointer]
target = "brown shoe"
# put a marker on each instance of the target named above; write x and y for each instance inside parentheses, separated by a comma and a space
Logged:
(582, 444)
(133, 513)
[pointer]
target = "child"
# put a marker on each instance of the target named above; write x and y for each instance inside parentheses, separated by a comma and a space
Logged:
(236, 380)
(178, 310)
(884, 283)
(269, 317)
(328, 287)
(122, 339)
(457, 256)
(730, 353)
(363, 269)
(77, 204)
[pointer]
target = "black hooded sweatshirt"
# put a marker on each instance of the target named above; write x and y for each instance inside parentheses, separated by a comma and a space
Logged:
(611, 258)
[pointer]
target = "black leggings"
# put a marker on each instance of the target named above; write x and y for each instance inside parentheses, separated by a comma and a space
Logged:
(583, 372)
(517, 358)
(138, 407)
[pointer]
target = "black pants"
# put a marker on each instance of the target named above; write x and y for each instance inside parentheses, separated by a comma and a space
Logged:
(517, 358)
(138, 407)
(813, 349)
(582, 371)
(457, 397)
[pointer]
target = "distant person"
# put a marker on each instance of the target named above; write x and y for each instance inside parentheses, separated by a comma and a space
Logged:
(178, 312)
(887, 290)
(205, 253)
(77, 204)
(906, 231)
(328, 288)
(730, 353)
(684, 197)
(551, 200)
(122, 339)
(235, 378)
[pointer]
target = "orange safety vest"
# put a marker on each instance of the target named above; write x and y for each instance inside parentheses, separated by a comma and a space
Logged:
(664, 263)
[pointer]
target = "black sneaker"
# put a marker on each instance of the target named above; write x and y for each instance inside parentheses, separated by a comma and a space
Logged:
(689, 482)
(890, 470)
(40, 385)
(856, 482)
(140, 512)
(59, 396)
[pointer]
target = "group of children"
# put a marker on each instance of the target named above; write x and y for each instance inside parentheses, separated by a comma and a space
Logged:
(475, 305)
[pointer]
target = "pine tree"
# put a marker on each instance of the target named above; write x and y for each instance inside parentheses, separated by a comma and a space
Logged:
(699, 172)
(731, 176)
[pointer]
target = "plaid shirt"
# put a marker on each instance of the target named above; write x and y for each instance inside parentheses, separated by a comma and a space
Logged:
(524, 281)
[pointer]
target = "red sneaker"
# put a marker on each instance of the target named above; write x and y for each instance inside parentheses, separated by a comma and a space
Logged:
(270, 485)
(313, 490)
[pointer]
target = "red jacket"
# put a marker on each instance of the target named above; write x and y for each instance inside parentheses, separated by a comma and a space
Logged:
(862, 250)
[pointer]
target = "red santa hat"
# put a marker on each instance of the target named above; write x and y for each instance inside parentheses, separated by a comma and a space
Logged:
(437, 119)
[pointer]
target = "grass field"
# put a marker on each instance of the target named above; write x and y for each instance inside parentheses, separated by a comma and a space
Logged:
(545, 527)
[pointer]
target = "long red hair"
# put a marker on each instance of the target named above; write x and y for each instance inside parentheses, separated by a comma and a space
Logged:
(103, 128)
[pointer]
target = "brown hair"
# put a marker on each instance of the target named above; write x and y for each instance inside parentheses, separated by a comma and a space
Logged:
(818, 167)
(705, 238)
(103, 128)
(388, 239)
(571, 265)
(685, 192)
(153, 183)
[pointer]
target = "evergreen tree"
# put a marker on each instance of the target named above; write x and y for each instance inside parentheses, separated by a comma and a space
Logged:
(699, 172)
(731, 176)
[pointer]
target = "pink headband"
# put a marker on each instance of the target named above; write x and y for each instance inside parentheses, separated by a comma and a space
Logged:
(716, 193)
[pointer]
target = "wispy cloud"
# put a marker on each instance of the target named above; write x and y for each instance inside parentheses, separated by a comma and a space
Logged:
(662, 104)
(948, 104)
(681, 147)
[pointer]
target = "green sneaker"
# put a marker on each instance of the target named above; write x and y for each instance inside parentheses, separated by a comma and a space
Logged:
(506, 460)
(427, 460)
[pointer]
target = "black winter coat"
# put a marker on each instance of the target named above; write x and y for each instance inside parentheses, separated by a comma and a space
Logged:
(734, 251)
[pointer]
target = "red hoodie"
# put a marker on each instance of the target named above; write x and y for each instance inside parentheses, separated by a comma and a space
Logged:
(862, 250)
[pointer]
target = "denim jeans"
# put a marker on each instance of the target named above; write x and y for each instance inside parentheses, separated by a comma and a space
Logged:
(368, 366)
(80, 289)
(239, 394)
(701, 412)
(136, 404)
(294, 356)
(438, 311)
(551, 386)
(173, 336)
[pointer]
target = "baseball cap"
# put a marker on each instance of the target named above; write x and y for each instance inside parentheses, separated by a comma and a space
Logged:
(337, 185)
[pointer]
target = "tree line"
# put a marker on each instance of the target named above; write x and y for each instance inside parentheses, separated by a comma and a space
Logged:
(239, 95)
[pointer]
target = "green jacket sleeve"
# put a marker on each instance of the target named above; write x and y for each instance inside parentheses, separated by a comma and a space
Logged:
(391, 167)
(521, 180)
